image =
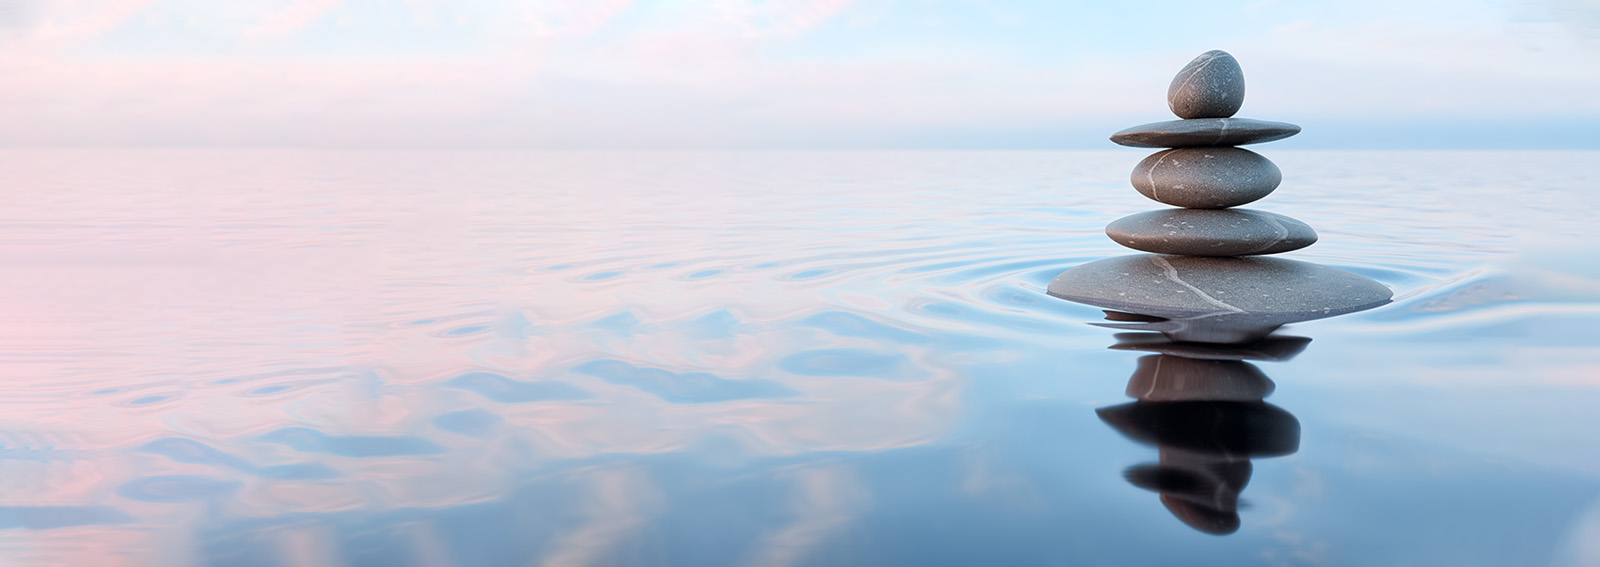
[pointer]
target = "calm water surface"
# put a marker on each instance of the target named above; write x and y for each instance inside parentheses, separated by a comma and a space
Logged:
(696, 359)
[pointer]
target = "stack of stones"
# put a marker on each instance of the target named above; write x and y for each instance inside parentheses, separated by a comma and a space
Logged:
(1207, 280)
(1206, 172)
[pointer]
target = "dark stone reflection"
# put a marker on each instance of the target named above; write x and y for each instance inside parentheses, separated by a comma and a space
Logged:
(1201, 406)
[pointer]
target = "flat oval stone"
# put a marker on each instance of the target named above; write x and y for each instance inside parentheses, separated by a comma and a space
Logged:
(1211, 232)
(1206, 178)
(1204, 132)
(1211, 86)
(1217, 300)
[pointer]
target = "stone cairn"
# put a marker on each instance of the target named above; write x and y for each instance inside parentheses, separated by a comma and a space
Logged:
(1206, 281)
(1206, 172)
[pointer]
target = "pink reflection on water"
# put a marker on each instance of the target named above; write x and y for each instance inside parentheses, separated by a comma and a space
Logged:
(213, 301)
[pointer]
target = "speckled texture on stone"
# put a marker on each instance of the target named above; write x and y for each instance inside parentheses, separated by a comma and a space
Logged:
(1206, 178)
(1204, 132)
(1211, 232)
(1217, 300)
(1210, 86)
(1163, 378)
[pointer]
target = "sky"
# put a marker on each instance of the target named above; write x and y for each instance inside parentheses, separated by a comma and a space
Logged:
(786, 74)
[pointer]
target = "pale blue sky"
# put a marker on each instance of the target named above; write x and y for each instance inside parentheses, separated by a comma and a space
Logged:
(784, 73)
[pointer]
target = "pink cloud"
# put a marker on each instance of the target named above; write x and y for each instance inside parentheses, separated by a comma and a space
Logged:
(40, 25)
(292, 18)
(568, 17)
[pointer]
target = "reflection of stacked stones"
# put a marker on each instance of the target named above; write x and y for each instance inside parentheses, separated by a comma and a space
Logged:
(1205, 282)
(1201, 407)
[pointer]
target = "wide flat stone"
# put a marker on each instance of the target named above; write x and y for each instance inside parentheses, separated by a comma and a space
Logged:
(1204, 132)
(1206, 178)
(1210, 86)
(1211, 232)
(1217, 300)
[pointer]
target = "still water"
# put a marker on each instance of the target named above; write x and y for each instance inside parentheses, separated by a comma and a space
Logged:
(761, 358)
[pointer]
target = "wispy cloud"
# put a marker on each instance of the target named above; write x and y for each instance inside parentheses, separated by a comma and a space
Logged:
(291, 18)
(757, 18)
(556, 18)
(562, 73)
(34, 24)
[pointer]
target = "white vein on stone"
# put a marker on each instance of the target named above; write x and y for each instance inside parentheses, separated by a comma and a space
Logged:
(1283, 232)
(1185, 84)
(1223, 132)
(1172, 274)
(1150, 176)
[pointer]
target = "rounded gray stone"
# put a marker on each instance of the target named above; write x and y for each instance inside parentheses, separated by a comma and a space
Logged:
(1210, 86)
(1164, 378)
(1217, 300)
(1204, 132)
(1206, 178)
(1211, 232)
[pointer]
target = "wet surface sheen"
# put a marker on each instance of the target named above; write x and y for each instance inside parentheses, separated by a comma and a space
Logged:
(480, 358)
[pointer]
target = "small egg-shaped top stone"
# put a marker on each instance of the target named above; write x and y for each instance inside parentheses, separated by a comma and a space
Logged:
(1211, 86)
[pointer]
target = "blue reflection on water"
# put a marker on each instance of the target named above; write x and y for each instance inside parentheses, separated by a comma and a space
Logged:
(50, 517)
(473, 422)
(843, 362)
(300, 471)
(308, 440)
(177, 488)
(191, 451)
(846, 324)
(685, 387)
(505, 390)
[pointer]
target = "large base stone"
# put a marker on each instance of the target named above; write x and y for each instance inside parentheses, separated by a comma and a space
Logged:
(1217, 300)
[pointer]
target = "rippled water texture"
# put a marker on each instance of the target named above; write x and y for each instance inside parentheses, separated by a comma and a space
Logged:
(389, 359)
